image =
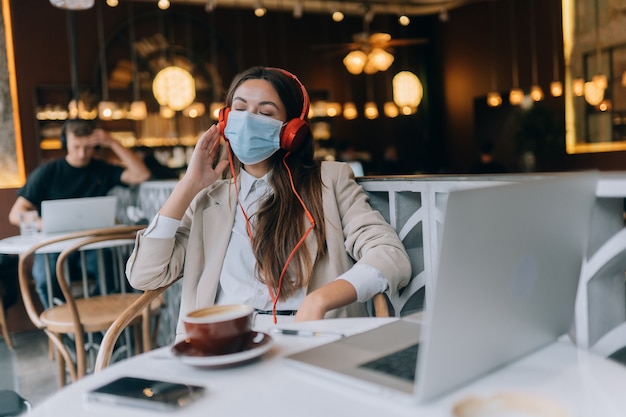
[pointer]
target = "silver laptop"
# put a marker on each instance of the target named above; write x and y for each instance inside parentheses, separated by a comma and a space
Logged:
(74, 214)
(509, 264)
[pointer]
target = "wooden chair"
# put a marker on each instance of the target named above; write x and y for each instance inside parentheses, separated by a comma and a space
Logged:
(138, 307)
(89, 314)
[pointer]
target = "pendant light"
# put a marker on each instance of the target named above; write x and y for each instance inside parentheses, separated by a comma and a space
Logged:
(371, 109)
(75, 103)
(106, 108)
(556, 86)
(138, 109)
(516, 95)
(536, 92)
(494, 99)
(595, 89)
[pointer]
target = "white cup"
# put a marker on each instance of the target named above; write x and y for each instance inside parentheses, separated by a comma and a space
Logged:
(29, 223)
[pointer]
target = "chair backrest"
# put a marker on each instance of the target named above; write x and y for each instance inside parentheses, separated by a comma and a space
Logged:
(140, 306)
(65, 244)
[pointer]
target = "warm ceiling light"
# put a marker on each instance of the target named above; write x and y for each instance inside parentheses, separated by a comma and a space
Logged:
(355, 62)
(371, 110)
(600, 81)
(407, 89)
(556, 88)
(194, 110)
(380, 59)
(390, 109)
(578, 86)
(494, 99)
(166, 113)
(214, 109)
(404, 20)
(408, 110)
(72, 4)
(113, 3)
(138, 110)
(594, 94)
(536, 93)
(259, 11)
(337, 16)
(333, 109)
(174, 87)
(349, 111)
(516, 96)
(164, 4)
(105, 110)
(605, 105)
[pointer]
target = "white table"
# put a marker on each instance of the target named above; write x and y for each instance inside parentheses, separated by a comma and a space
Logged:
(582, 383)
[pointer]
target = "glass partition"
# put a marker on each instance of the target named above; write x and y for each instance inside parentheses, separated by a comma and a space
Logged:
(594, 43)
(12, 174)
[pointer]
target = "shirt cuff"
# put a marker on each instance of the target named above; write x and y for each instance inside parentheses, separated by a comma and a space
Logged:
(366, 280)
(162, 227)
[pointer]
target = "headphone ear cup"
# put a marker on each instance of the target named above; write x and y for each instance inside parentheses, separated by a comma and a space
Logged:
(222, 119)
(293, 134)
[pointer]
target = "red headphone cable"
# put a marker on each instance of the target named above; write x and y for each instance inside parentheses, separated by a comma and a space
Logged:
(249, 228)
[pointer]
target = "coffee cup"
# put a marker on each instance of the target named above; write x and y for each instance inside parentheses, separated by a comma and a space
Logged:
(219, 329)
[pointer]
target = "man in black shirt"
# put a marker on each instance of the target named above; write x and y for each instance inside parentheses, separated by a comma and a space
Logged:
(78, 174)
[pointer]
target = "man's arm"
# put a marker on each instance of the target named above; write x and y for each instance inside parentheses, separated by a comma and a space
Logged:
(20, 206)
(135, 171)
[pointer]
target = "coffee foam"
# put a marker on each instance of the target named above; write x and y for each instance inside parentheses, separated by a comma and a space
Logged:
(218, 313)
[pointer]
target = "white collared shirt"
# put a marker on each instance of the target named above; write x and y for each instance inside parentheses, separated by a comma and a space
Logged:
(238, 283)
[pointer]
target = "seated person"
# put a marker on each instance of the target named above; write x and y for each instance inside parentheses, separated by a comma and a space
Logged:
(282, 232)
(78, 174)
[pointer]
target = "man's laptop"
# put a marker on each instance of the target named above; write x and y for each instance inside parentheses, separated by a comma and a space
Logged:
(509, 263)
(74, 214)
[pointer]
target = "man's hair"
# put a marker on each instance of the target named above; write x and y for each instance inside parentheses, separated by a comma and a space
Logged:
(80, 127)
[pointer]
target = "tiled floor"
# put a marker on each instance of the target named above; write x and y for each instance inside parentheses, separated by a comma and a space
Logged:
(27, 369)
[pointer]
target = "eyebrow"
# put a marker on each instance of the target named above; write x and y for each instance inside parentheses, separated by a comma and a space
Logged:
(263, 103)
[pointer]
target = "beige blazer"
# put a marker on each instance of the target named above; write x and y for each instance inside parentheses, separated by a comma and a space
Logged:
(354, 232)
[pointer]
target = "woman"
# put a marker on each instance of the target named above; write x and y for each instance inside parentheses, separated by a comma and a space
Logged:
(281, 233)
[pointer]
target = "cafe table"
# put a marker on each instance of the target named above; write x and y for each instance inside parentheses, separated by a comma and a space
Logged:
(19, 244)
(558, 380)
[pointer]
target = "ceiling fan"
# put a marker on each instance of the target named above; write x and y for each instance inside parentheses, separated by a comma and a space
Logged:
(369, 52)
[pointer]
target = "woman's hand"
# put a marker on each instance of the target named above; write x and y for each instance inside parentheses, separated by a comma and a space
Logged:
(200, 174)
(200, 171)
(338, 293)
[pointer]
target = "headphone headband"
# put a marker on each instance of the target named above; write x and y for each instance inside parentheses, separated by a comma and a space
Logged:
(305, 94)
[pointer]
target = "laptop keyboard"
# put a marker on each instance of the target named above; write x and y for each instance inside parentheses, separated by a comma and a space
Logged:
(401, 363)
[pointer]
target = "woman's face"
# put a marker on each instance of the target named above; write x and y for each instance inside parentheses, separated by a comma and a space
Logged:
(259, 97)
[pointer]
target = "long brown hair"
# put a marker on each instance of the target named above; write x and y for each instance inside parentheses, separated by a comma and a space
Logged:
(280, 221)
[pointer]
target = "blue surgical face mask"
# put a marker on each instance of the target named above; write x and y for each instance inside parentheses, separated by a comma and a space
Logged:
(253, 138)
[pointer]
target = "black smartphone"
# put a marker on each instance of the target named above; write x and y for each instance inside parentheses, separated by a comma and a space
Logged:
(145, 393)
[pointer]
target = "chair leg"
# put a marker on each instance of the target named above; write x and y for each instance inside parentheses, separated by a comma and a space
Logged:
(3, 320)
(137, 337)
(5, 329)
(63, 357)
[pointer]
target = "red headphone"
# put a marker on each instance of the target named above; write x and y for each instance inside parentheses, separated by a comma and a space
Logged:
(294, 131)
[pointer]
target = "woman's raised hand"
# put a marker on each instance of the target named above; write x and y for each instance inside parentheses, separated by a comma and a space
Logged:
(200, 171)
